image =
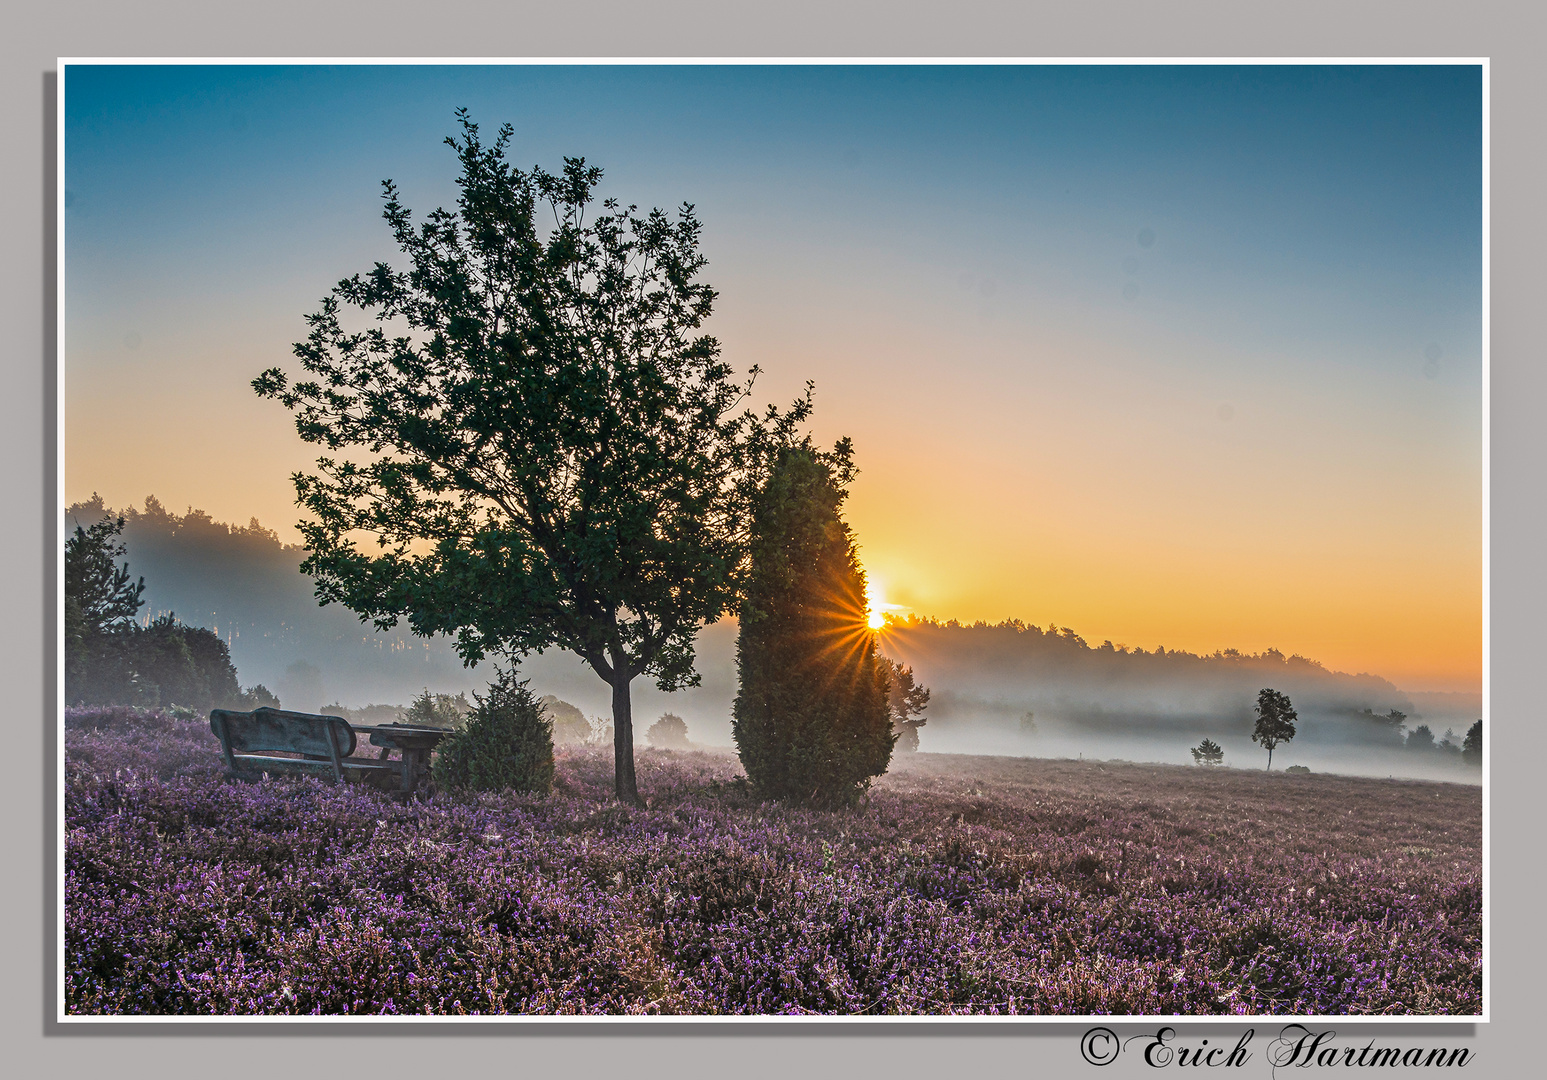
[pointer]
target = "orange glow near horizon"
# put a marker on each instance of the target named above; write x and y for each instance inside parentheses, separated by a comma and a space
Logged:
(877, 609)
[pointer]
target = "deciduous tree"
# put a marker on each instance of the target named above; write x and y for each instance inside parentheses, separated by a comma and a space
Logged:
(907, 701)
(1275, 721)
(541, 444)
(670, 732)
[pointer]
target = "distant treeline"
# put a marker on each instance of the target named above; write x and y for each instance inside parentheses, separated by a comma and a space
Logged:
(999, 671)
(245, 585)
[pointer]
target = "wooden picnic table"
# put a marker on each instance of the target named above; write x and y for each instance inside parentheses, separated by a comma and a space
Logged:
(413, 741)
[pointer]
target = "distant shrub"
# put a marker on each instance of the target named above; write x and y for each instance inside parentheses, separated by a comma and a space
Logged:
(1208, 753)
(670, 732)
(507, 744)
(256, 697)
(438, 710)
(570, 727)
(1297, 769)
(601, 731)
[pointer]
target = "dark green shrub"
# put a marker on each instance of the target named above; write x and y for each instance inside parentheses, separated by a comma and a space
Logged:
(1297, 769)
(811, 720)
(507, 744)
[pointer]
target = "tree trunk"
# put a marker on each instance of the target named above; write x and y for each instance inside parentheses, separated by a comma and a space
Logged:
(623, 784)
(1270, 753)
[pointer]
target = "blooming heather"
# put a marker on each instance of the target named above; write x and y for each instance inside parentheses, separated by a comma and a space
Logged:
(962, 885)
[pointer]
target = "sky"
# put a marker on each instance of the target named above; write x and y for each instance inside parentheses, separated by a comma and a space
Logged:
(1174, 356)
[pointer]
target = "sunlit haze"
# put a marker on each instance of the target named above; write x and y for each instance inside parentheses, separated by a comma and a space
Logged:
(1187, 357)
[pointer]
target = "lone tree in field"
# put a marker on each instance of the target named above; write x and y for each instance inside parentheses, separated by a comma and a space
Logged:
(811, 720)
(1275, 721)
(907, 702)
(545, 450)
(1208, 753)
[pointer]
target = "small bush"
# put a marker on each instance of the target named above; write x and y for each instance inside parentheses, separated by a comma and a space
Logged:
(507, 744)
(1297, 769)
(670, 732)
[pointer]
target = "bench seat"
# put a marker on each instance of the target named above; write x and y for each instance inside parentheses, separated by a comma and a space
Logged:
(353, 767)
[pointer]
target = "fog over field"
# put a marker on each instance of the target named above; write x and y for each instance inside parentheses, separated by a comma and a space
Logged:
(1096, 700)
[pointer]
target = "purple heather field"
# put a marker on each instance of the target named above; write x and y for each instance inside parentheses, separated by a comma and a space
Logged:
(961, 885)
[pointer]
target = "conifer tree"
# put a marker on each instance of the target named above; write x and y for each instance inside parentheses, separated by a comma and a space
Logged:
(811, 720)
(1208, 753)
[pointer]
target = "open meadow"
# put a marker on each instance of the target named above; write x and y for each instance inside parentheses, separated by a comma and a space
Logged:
(960, 885)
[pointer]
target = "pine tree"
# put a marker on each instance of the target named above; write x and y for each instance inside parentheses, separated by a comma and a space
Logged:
(1472, 745)
(811, 720)
(1208, 753)
(101, 600)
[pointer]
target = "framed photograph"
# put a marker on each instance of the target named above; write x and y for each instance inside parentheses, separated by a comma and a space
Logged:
(828, 541)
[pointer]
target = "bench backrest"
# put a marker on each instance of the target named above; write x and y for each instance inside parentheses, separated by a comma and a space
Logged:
(265, 730)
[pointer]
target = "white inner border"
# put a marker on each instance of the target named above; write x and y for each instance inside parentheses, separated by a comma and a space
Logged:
(64, 63)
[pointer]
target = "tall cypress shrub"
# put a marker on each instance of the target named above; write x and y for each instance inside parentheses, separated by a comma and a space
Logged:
(811, 720)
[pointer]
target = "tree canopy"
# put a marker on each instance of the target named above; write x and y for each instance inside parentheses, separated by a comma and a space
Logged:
(534, 446)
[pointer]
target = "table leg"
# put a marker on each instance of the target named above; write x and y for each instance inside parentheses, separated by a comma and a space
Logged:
(411, 763)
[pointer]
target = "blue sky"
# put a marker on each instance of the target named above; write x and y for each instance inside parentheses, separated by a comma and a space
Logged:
(1075, 317)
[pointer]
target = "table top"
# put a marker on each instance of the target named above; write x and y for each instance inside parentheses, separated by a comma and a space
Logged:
(401, 734)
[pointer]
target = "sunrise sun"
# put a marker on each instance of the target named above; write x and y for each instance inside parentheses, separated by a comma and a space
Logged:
(876, 605)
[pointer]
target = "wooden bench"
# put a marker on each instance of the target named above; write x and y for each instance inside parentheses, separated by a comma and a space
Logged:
(250, 739)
